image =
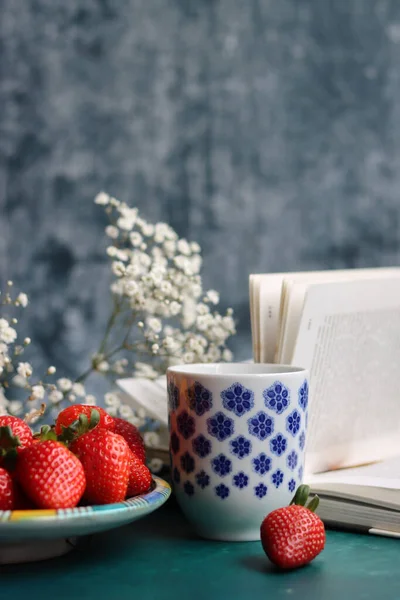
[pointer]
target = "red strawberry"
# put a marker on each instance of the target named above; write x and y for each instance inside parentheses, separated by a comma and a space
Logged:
(51, 475)
(105, 457)
(294, 535)
(132, 436)
(7, 491)
(19, 429)
(71, 414)
(140, 478)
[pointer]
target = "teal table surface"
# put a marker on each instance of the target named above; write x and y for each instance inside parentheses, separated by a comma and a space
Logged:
(159, 558)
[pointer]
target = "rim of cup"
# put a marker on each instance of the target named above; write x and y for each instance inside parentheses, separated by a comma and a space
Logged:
(229, 370)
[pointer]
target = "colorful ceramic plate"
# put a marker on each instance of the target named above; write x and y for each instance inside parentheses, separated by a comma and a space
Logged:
(32, 527)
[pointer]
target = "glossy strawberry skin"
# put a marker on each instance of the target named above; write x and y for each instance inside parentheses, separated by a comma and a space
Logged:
(292, 536)
(105, 457)
(132, 436)
(50, 475)
(7, 491)
(71, 414)
(140, 478)
(19, 428)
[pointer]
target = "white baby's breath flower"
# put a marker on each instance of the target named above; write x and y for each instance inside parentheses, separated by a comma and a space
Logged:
(118, 268)
(27, 341)
(170, 248)
(125, 411)
(130, 288)
(103, 367)
(51, 370)
(119, 366)
(112, 251)
(188, 357)
(15, 407)
(156, 465)
(136, 239)
(202, 309)
(90, 400)
(125, 223)
(151, 439)
(55, 396)
(64, 384)
(154, 324)
(227, 355)
(71, 398)
(37, 392)
(78, 389)
(4, 324)
(194, 246)
(112, 232)
(102, 198)
(22, 300)
(212, 296)
(175, 308)
(8, 335)
(147, 229)
(184, 247)
(112, 399)
(19, 381)
(24, 370)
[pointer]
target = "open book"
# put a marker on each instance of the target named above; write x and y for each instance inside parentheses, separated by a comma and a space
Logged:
(344, 326)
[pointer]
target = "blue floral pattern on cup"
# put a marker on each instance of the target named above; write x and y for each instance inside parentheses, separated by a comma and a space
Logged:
(220, 426)
(238, 399)
(221, 465)
(261, 464)
(277, 397)
(301, 473)
(291, 485)
(278, 445)
(293, 422)
(291, 460)
(175, 444)
(173, 396)
(186, 425)
(240, 480)
(222, 491)
(199, 398)
(303, 395)
(240, 446)
(187, 463)
(261, 425)
(302, 440)
(202, 479)
(188, 488)
(277, 478)
(260, 490)
(201, 446)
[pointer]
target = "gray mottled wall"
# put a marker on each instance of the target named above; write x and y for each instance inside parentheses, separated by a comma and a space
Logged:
(268, 130)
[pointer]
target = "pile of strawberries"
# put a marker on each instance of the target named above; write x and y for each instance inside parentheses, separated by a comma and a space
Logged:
(87, 457)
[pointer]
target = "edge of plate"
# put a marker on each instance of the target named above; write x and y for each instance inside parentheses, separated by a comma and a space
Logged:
(156, 497)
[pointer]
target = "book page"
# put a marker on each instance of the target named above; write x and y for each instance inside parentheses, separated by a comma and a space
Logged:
(349, 338)
(385, 474)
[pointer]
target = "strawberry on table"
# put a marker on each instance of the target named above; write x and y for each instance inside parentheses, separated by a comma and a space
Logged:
(140, 478)
(71, 414)
(51, 475)
(7, 491)
(19, 429)
(294, 535)
(132, 436)
(105, 457)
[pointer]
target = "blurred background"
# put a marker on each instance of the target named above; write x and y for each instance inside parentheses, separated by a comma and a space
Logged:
(266, 130)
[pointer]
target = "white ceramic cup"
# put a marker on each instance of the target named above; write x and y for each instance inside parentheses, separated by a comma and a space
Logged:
(237, 437)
